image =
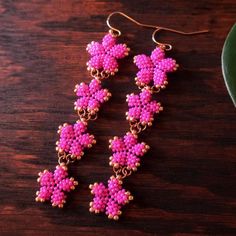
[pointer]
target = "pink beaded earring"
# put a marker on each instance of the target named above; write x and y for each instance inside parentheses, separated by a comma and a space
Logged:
(74, 138)
(127, 150)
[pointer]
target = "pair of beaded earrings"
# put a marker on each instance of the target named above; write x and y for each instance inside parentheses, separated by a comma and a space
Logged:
(126, 150)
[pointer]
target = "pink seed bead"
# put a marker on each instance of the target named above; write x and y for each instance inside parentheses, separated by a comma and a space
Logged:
(145, 75)
(121, 197)
(95, 48)
(66, 185)
(46, 178)
(145, 96)
(60, 173)
(133, 100)
(118, 51)
(113, 185)
(134, 113)
(110, 63)
(157, 54)
(80, 127)
(119, 158)
(143, 61)
(99, 189)
(112, 208)
(139, 149)
(132, 161)
(130, 140)
(45, 193)
(117, 145)
(108, 41)
(99, 204)
(167, 65)
(58, 198)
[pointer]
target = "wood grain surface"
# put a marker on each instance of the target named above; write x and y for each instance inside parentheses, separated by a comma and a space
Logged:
(186, 183)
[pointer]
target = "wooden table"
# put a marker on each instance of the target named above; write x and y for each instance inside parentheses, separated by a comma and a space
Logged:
(186, 183)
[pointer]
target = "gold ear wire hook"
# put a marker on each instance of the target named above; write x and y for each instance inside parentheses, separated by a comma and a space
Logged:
(167, 46)
(164, 46)
(127, 17)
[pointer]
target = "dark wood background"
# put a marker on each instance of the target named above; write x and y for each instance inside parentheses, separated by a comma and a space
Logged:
(186, 184)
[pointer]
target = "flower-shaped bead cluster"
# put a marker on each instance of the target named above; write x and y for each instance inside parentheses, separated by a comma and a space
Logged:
(110, 199)
(142, 108)
(54, 185)
(104, 55)
(153, 69)
(90, 96)
(127, 151)
(73, 139)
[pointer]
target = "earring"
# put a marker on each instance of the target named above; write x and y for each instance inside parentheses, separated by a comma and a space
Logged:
(73, 138)
(142, 107)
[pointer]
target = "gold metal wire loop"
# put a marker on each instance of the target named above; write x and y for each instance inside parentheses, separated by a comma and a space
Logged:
(99, 74)
(164, 46)
(86, 115)
(122, 172)
(136, 127)
(61, 160)
(152, 89)
(93, 116)
(65, 158)
(94, 73)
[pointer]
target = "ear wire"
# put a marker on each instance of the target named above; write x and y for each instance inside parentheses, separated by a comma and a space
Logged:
(167, 46)
(157, 28)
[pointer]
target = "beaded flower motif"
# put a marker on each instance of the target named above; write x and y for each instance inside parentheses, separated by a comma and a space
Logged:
(74, 139)
(142, 108)
(110, 199)
(54, 185)
(90, 96)
(127, 151)
(154, 68)
(104, 55)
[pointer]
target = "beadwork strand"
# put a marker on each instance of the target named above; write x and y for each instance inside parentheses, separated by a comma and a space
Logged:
(74, 138)
(127, 150)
